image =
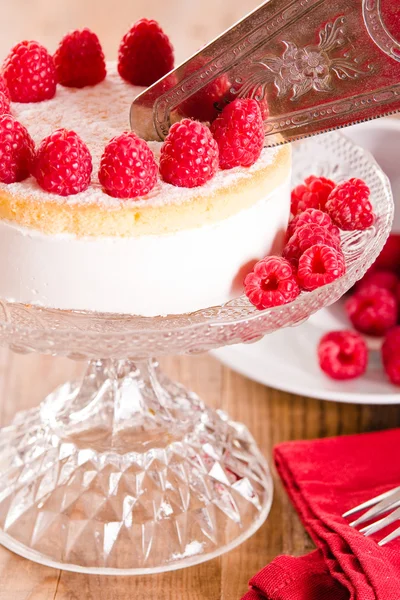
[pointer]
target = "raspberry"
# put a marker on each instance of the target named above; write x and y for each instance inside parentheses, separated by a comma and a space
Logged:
(16, 150)
(313, 193)
(391, 345)
(389, 258)
(4, 104)
(391, 355)
(349, 207)
(343, 355)
(128, 168)
(79, 60)
(63, 164)
(165, 84)
(316, 217)
(320, 265)
(305, 237)
(30, 73)
(189, 155)
(271, 283)
(145, 54)
(372, 310)
(239, 131)
(257, 94)
(392, 369)
(382, 279)
(201, 105)
(3, 87)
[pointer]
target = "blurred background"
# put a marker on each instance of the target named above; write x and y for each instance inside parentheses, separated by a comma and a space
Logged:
(189, 24)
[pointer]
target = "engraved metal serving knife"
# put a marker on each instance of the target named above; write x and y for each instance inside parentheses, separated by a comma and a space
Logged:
(314, 65)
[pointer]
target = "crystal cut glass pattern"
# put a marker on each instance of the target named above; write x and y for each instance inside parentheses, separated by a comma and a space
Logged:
(127, 472)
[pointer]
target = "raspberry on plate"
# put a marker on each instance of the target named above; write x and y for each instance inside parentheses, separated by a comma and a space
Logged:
(313, 193)
(304, 237)
(63, 164)
(315, 217)
(383, 279)
(4, 104)
(343, 355)
(201, 105)
(239, 131)
(392, 369)
(3, 87)
(30, 73)
(189, 155)
(391, 355)
(391, 344)
(79, 59)
(145, 54)
(389, 258)
(271, 283)
(372, 310)
(320, 265)
(128, 168)
(16, 150)
(349, 206)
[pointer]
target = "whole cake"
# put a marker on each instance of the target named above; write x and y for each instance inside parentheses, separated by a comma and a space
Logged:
(174, 249)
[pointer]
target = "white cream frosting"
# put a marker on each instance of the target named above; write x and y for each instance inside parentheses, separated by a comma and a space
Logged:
(147, 275)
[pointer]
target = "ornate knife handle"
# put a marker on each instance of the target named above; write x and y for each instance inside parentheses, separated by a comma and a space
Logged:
(314, 65)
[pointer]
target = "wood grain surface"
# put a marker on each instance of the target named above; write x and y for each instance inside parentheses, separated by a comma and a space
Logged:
(272, 416)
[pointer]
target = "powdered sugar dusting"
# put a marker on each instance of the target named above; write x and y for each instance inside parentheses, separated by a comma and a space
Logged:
(97, 114)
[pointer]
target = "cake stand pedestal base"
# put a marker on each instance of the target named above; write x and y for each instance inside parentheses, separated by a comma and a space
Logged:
(127, 472)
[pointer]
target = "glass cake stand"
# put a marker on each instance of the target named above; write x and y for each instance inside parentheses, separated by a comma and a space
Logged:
(127, 472)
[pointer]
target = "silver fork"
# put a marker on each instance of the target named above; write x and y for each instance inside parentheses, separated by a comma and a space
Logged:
(389, 501)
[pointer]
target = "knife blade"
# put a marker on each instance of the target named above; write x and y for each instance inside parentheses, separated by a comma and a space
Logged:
(314, 65)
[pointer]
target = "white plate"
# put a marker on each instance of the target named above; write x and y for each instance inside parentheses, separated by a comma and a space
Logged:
(287, 359)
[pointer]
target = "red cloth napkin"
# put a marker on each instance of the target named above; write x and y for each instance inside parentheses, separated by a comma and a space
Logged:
(324, 478)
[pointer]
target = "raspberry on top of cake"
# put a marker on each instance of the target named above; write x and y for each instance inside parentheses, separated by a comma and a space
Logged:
(75, 106)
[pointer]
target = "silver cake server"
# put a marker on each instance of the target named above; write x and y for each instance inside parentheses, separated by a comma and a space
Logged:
(317, 64)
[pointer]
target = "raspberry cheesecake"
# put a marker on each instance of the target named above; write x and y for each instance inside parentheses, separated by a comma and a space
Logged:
(94, 219)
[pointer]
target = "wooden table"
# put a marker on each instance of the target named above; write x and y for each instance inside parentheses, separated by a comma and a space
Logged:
(272, 416)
